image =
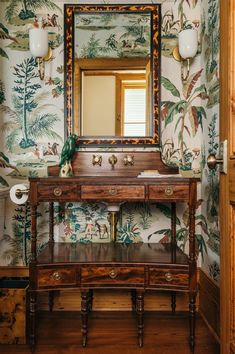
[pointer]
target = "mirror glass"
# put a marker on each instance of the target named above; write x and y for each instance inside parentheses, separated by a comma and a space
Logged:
(113, 72)
(119, 108)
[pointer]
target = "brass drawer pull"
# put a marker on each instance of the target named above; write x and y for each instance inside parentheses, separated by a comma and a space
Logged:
(56, 276)
(113, 191)
(128, 160)
(113, 274)
(97, 160)
(168, 277)
(57, 192)
(169, 191)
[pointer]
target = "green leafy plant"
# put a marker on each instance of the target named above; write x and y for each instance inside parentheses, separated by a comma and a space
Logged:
(28, 121)
(4, 34)
(170, 25)
(129, 233)
(92, 49)
(182, 231)
(5, 163)
(2, 92)
(23, 101)
(21, 228)
(184, 107)
(213, 28)
(26, 8)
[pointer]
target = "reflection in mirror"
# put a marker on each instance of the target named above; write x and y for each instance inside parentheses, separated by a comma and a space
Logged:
(114, 86)
(123, 95)
(114, 103)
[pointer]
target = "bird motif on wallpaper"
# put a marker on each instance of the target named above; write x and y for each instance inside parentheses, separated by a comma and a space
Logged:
(66, 156)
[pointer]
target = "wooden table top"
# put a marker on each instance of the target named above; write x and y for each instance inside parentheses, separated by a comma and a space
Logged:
(106, 253)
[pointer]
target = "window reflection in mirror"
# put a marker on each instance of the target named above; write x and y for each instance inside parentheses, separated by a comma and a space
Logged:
(124, 96)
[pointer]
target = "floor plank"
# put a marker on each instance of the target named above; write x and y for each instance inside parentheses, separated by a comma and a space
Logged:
(115, 333)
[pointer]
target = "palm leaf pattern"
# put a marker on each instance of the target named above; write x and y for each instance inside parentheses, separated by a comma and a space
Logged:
(184, 107)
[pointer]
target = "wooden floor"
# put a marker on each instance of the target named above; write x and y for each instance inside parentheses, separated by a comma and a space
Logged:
(115, 333)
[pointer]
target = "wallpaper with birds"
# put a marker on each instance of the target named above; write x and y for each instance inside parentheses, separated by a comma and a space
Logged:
(32, 131)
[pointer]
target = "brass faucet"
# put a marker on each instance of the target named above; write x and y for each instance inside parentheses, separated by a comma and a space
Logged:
(113, 160)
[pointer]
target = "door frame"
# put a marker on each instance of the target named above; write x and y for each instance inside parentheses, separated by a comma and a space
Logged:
(227, 211)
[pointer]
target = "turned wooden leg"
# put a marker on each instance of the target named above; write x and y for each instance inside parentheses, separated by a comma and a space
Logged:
(84, 314)
(192, 320)
(90, 300)
(140, 315)
(32, 319)
(133, 299)
(173, 302)
(51, 295)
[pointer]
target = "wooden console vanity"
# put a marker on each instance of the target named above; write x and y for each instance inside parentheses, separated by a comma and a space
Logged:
(138, 266)
(128, 60)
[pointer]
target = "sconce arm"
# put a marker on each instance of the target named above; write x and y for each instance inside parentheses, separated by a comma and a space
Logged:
(185, 78)
(41, 68)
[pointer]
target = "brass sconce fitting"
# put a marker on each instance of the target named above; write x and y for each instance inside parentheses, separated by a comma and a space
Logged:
(176, 56)
(39, 48)
(186, 50)
(41, 63)
(113, 160)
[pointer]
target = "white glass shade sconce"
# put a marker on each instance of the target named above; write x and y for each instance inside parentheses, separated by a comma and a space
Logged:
(39, 48)
(186, 50)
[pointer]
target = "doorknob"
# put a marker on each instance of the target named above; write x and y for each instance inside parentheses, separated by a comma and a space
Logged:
(221, 159)
(212, 161)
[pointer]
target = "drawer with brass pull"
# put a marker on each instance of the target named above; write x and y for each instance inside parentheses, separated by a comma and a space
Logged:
(61, 191)
(56, 277)
(116, 192)
(168, 278)
(105, 276)
(169, 191)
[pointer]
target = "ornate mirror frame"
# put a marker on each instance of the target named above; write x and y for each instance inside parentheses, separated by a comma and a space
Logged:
(69, 12)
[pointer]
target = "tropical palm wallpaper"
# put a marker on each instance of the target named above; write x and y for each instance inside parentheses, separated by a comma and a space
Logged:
(32, 123)
(112, 35)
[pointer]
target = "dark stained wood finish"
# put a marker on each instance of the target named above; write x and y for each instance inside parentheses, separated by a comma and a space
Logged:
(169, 192)
(110, 253)
(209, 305)
(136, 266)
(84, 313)
(112, 188)
(82, 164)
(109, 276)
(113, 192)
(53, 277)
(63, 192)
(17, 272)
(140, 315)
(114, 333)
(51, 222)
(168, 277)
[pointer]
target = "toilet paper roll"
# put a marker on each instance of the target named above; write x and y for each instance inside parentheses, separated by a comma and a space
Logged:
(16, 196)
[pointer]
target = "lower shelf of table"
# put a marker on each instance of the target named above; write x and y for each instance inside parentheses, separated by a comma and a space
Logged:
(112, 265)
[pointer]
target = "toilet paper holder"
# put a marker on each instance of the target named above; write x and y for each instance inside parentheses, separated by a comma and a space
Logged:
(20, 192)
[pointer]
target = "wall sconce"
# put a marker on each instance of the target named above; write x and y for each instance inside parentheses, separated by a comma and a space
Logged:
(39, 48)
(186, 50)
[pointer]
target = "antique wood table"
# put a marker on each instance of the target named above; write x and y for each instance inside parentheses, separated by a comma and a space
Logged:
(138, 266)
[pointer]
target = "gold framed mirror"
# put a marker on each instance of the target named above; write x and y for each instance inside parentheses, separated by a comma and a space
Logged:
(112, 74)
